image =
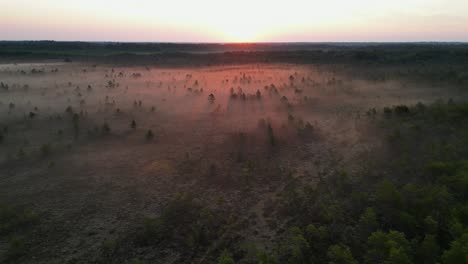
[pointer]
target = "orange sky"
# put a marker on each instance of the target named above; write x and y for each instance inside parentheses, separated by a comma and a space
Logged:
(235, 21)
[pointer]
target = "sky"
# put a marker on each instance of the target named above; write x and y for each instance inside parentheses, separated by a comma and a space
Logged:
(235, 20)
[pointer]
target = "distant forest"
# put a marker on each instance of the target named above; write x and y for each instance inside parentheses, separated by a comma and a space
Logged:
(216, 53)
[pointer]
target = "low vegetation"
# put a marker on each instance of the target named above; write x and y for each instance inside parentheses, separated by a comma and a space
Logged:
(15, 223)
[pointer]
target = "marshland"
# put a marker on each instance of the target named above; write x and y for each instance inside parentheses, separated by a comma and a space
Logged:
(235, 153)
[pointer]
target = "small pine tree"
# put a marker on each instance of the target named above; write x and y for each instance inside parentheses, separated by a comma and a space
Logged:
(21, 153)
(76, 124)
(45, 150)
(212, 171)
(133, 125)
(259, 94)
(211, 97)
(271, 135)
(106, 128)
(149, 135)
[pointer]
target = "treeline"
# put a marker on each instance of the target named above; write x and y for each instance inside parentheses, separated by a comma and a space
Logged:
(191, 53)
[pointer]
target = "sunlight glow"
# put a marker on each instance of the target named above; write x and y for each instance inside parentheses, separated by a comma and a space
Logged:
(238, 21)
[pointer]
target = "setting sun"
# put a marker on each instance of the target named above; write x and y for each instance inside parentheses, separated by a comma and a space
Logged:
(241, 33)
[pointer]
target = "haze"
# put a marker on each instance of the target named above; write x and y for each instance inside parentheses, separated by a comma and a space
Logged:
(235, 21)
(234, 132)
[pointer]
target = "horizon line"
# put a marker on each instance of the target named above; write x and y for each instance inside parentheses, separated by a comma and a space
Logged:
(249, 42)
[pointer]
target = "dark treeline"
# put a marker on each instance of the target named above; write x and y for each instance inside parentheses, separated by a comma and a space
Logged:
(231, 53)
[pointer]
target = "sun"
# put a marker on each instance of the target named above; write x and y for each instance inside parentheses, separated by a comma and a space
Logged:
(241, 34)
(245, 21)
(245, 31)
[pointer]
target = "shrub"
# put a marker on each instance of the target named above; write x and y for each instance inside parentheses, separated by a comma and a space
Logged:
(340, 254)
(21, 153)
(211, 97)
(16, 248)
(225, 258)
(458, 251)
(401, 109)
(391, 247)
(149, 135)
(271, 135)
(183, 222)
(109, 247)
(387, 111)
(45, 150)
(106, 128)
(12, 219)
(136, 261)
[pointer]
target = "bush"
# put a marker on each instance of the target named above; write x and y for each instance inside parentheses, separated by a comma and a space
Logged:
(149, 135)
(21, 153)
(183, 222)
(271, 135)
(136, 261)
(391, 247)
(340, 254)
(387, 111)
(401, 109)
(296, 249)
(16, 248)
(225, 258)
(12, 219)
(211, 97)
(458, 251)
(46, 150)
(109, 247)
(106, 128)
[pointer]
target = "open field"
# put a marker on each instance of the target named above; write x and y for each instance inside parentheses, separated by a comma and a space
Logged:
(209, 154)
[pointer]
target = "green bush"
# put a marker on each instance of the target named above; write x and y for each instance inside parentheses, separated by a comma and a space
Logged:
(13, 219)
(16, 248)
(225, 258)
(183, 222)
